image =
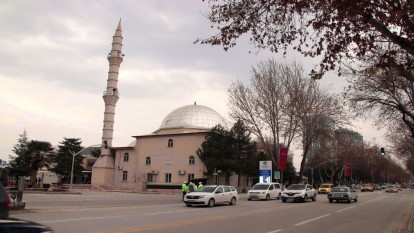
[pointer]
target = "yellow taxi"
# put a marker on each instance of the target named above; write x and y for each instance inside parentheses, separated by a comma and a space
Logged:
(325, 188)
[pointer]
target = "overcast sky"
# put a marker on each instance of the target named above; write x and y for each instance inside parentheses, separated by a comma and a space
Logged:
(53, 68)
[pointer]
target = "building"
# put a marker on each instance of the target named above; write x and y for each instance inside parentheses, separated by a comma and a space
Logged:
(167, 157)
(162, 159)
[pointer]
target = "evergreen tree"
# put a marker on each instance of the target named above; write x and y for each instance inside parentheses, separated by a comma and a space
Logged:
(243, 151)
(63, 159)
(230, 152)
(19, 164)
(31, 156)
(215, 151)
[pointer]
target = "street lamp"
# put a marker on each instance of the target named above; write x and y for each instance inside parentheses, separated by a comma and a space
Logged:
(73, 162)
(313, 167)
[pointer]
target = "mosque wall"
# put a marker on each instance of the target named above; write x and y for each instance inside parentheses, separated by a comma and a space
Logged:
(170, 159)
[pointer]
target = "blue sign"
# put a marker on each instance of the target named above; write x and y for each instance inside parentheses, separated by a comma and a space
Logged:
(265, 176)
(265, 172)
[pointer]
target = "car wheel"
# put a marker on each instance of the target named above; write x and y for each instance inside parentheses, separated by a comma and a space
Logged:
(330, 200)
(356, 199)
(233, 201)
(305, 198)
(249, 199)
(278, 196)
(349, 200)
(284, 199)
(267, 197)
(211, 202)
(188, 205)
(314, 197)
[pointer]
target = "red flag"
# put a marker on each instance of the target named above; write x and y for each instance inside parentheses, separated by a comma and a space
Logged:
(348, 170)
(373, 174)
(283, 153)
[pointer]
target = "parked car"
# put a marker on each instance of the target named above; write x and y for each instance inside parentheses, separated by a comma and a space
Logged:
(384, 186)
(325, 188)
(5, 202)
(212, 194)
(13, 225)
(391, 189)
(398, 186)
(264, 191)
(367, 187)
(342, 193)
(376, 187)
(299, 192)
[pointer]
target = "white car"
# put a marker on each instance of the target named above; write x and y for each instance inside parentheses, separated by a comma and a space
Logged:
(264, 191)
(211, 194)
(299, 192)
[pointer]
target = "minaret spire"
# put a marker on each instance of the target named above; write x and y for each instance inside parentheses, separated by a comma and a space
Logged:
(111, 95)
(103, 169)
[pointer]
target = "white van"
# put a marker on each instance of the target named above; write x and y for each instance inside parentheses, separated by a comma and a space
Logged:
(264, 191)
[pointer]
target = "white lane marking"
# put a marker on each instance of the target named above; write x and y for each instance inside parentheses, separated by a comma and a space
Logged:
(313, 219)
(82, 219)
(338, 211)
(275, 231)
(167, 212)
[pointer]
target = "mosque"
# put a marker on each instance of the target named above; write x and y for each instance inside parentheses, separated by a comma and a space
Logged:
(162, 159)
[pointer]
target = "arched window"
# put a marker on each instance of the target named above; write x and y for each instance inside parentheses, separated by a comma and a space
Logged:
(170, 143)
(126, 157)
(191, 160)
(148, 161)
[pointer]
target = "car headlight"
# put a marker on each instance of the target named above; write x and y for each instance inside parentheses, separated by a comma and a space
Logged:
(202, 196)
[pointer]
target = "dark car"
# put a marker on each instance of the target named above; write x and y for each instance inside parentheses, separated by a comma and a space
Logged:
(5, 203)
(13, 225)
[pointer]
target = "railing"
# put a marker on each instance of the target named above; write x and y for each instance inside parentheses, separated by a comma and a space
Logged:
(115, 93)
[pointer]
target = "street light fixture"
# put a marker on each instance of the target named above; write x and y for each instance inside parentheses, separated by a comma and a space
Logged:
(73, 162)
(313, 167)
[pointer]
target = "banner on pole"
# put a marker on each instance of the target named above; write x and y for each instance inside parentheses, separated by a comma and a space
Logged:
(283, 154)
(347, 170)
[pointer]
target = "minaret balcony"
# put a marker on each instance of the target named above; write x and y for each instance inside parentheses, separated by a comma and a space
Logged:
(111, 93)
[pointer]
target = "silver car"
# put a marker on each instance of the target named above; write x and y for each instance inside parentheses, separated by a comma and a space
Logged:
(210, 195)
(299, 192)
(391, 189)
(264, 191)
(342, 193)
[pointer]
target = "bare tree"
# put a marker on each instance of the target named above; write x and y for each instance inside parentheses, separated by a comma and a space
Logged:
(401, 143)
(282, 105)
(332, 30)
(381, 89)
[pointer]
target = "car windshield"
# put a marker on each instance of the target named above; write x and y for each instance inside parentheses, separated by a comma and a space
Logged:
(260, 187)
(296, 187)
(325, 186)
(208, 189)
(340, 189)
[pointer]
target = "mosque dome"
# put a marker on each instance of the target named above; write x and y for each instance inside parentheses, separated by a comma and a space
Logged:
(191, 118)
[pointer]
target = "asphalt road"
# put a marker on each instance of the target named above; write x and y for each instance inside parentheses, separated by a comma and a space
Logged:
(375, 212)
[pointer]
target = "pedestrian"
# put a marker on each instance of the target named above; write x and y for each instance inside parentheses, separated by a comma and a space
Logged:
(191, 187)
(200, 186)
(184, 188)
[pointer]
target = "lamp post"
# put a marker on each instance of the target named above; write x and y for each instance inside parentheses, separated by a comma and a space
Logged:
(73, 162)
(313, 167)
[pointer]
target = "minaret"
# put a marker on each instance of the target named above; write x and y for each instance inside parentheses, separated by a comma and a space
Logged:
(111, 95)
(103, 169)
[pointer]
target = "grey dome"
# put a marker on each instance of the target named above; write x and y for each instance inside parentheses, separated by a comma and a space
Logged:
(192, 117)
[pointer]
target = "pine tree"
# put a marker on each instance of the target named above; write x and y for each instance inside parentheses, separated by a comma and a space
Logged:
(243, 151)
(19, 164)
(63, 160)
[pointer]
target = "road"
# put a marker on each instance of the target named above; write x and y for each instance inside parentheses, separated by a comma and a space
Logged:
(374, 212)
